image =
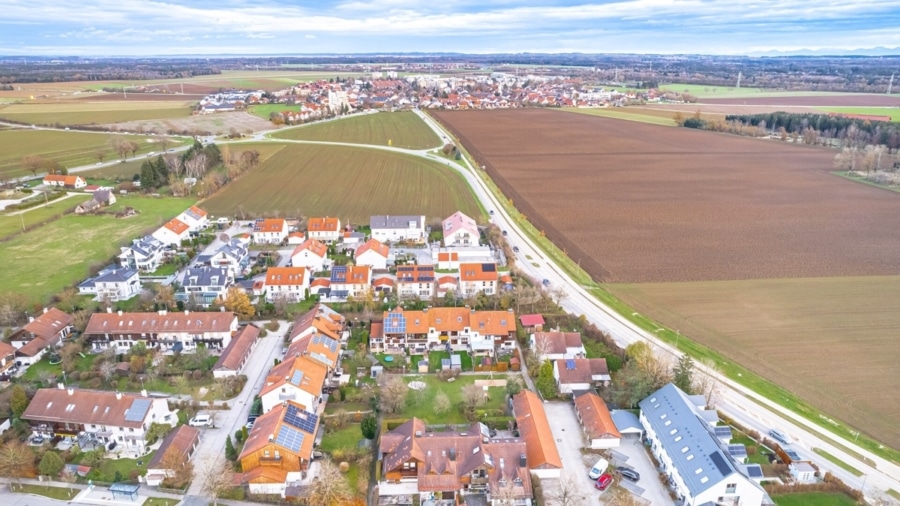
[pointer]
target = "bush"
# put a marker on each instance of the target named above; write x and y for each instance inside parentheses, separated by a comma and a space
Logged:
(187, 375)
(95, 383)
(344, 467)
(197, 374)
(74, 375)
(498, 422)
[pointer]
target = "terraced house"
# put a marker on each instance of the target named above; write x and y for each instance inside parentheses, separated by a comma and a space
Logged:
(299, 380)
(163, 330)
(457, 328)
(41, 333)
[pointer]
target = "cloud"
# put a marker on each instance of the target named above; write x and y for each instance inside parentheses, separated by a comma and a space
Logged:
(309, 36)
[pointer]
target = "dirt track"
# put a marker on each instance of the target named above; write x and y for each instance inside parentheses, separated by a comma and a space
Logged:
(640, 203)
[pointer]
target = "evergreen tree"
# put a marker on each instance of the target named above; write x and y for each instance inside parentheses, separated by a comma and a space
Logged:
(230, 451)
(19, 401)
(51, 464)
(684, 374)
(148, 176)
(368, 426)
(162, 172)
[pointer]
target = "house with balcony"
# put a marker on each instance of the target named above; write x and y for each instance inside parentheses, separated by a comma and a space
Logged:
(415, 281)
(233, 256)
(42, 332)
(104, 417)
(112, 285)
(173, 232)
(278, 450)
(270, 231)
(477, 277)
(450, 468)
(325, 229)
(175, 331)
(204, 285)
(7, 359)
(391, 229)
(557, 345)
(288, 283)
(299, 380)
(460, 230)
(682, 437)
(144, 255)
(321, 319)
(312, 254)
(350, 281)
(456, 328)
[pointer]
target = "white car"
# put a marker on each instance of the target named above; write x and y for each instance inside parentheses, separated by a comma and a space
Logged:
(201, 421)
(598, 469)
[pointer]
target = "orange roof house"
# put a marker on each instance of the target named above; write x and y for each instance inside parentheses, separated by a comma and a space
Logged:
(460, 327)
(324, 228)
(300, 380)
(534, 428)
(596, 421)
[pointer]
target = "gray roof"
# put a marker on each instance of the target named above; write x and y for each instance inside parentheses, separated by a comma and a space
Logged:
(687, 439)
(625, 421)
(147, 245)
(117, 275)
(190, 212)
(102, 195)
(379, 222)
(206, 276)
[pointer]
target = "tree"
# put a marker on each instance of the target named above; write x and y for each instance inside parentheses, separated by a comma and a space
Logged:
(542, 346)
(238, 302)
(69, 354)
(706, 382)
(230, 453)
(631, 384)
(16, 460)
(514, 384)
(51, 464)
(106, 369)
(679, 118)
(567, 493)
(33, 163)
(329, 488)
(120, 146)
(216, 477)
(683, 374)
(369, 427)
(148, 175)
(19, 401)
(181, 470)
(545, 383)
(392, 395)
(441, 403)
(473, 396)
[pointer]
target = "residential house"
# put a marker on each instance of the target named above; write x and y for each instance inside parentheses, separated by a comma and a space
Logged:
(104, 417)
(475, 278)
(299, 379)
(320, 287)
(325, 229)
(270, 231)
(596, 421)
(195, 218)
(321, 319)
(279, 448)
(234, 357)
(319, 347)
(803, 472)
(698, 468)
(532, 322)
(373, 253)
(295, 238)
(534, 428)
(289, 283)
(451, 258)
(415, 281)
(233, 256)
(351, 281)
(66, 181)
(457, 328)
(312, 254)
(202, 286)
(105, 197)
(7, 359)
(145, 254)
(173, 232)
(460, 230)
(179, 446)
(557, 345)
(163, 330)
(452, 467)
(391, 229)
(87, 207)
(352, 240)
(112, 285)
(40, 334)
(447, 285)
(580, 374)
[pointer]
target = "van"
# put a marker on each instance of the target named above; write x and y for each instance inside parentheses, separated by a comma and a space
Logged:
(201, 421)
(598, 469)
(779, 436)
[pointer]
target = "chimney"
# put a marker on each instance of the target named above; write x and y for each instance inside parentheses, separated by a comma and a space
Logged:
(118, 395)
(522, 460)
(222, 309)
(120, 312)
(271, 438)
(71, 391)
(163, 312)
(60, 386)
(144, 393)
(45, 310)
(186, 312)
(108, 309)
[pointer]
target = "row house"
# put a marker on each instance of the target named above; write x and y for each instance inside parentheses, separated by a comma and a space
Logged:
(453, 467)
(398, 228)
(351, 281)
(112, 285)
(108, 418)
(41, 333)
(289, 283)
(325, 229)
(269, 231)
(456, 328)
(321, 319)
(233, 256)
(234, 357)
(415, 281)
(144, 255)
(373, 253)
(460, 230)
(163, 330)
(203, 286)
(477, 278)
(534, 428)
(299, 379)
(312, 254)
(173, 232)
(295, 238)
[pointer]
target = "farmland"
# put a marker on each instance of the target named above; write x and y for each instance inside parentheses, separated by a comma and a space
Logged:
(352, 183)
(43, 261)
(706, 91)
(78, 112)
(893, 112)
(400, 129)
(675, 204)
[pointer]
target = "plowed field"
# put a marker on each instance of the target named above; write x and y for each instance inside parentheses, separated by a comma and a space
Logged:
(645, 203)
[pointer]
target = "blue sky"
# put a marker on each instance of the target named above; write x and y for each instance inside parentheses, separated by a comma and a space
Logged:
(143, 27)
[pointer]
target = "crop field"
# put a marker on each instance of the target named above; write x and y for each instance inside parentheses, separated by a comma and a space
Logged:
(706, 91)
(831, 341)
(70, 149)
(351, 183)
(398, 129)
(831, 100)
(644, 203)
(215, 124)
(893, 112)
(79, 112)
(43, 261)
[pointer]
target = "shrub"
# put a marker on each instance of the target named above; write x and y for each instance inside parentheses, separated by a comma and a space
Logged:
(344, 467)
(187, 375)
(74, 376)
(197, 374)
(95, 383)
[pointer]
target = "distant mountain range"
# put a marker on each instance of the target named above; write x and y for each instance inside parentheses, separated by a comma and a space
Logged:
(872, 51)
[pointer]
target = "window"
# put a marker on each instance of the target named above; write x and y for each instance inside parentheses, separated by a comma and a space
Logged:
(731, 488)
(266, 453)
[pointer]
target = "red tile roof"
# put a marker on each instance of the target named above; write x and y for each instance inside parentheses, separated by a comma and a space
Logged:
(531, 320)
(181, 441)
(478, 272)
(129, 323)
(82, 407)
(177, 226)
(237, 349)
(270, 225)
(595, 417)
(267, 426)
(325, 224)
(285, 276)
(316, 247)
(585, 369)
(374, 245)
(534, 428)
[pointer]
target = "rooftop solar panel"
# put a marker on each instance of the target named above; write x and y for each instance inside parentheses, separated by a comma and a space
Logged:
(296, 378)
(488, 267)
(719, 460)
(290, 438)
(326, 341)
(138, 410)
(300, 419)
(738, 451)
(570, 364)
(754, 471)
(723, 431)
(395, 323)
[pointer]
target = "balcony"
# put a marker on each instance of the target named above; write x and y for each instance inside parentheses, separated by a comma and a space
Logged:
(270, 461)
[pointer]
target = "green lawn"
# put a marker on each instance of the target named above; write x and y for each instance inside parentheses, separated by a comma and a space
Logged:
(711, 91)
(264, 110)
(53, 492)
(159, 501)
(44, 367)
(45, 260)
(435, 357)
(893, 112)
(106, 472)
(398, 129)
(10, 225)
(424, 408)
(838, 462)
(165, 270)
(756, 458)
(121, 171)
(344, 439)
(816, 498)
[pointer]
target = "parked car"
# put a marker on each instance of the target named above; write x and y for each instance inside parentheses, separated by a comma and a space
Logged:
(629, 473)
(515, 249)
(603, 482)
(779, 436)
(598, 469)
(317, 455)
(249, 424)
(37, 440)
(201, 421)
(545, 282)
(504, 232)
(492, 211)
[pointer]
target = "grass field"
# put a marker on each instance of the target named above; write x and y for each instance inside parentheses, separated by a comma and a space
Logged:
(710, 91)
(86, 113)
(264, 110)
(398, 129)
(53, 492)
(831, 341)
(351, 183)
(816, 498)
(893, 112)
(71, 149)
(43, 261)
(838, 462)
(10, 225)
(424, 409)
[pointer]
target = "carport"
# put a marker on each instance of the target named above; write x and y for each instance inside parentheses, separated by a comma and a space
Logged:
(627, 424)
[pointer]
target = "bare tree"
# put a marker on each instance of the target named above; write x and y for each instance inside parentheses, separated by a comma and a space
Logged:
(100, 154)
(559, 294)
(33, 163)
(106, 369)
(329, 488)
(178, 470)
(216, 477)
(542, 347)
(473, 396)
(120, 146)
(174, 165)
(706, 382)
(567, 493)
(195, 166)
(392, 393)
(441, 403)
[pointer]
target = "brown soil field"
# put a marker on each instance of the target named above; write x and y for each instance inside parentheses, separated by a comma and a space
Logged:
(140, 97)
(634, 202)
(849, 100)
(831, 341)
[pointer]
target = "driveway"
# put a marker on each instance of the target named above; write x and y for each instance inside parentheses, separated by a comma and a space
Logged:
(631, 453)
(567, 434)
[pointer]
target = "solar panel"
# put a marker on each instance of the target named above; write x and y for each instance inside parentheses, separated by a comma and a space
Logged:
(719, 460)
(296, 378)
(395, 323)
(723, 432)
(300, 419)
(340, 293)
(321, 358)
(488, 267)
(754, 471)
(570, 364)
(737, 451)
(338, 273)
(290, 438)
(138, 410)
(326, 341)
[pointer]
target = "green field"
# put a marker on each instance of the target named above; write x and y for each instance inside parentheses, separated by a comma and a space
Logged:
(424, 409)
(711, 91)
(264, 110)
(398, 129)
(73, 112)
(626, 113)
(814, 498)
(351, 183)
(59, 493)
(10, 225)
(43, 261)
(71, 149)
(893, 112)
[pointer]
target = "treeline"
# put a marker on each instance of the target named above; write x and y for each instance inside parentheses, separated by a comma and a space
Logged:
(201, 163)
(48, 73)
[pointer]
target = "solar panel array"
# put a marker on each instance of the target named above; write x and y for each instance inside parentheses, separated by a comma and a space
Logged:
(570, 364)
(321, 358)
(326, 341)
(297, 377)
(737, 451)
(723, 432)
(718, 459)
(300, 419)
(339, 273)
(341, 294)
(488, 267)
(395, 323)
(138, 410)
(290, 438)
(754, 471)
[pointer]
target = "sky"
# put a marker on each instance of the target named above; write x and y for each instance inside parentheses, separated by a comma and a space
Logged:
(147, 27)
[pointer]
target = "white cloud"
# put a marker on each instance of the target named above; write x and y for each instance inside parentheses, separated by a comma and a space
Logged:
(309, 36)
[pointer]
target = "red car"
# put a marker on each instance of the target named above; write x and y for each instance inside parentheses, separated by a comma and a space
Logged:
(603, 482)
